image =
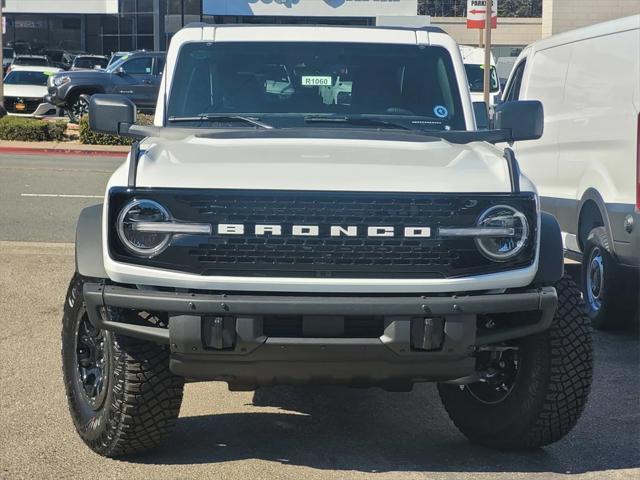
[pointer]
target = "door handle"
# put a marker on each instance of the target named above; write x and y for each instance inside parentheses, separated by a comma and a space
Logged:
(148, 82)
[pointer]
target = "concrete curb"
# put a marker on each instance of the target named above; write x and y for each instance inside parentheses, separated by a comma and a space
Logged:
(28, 150)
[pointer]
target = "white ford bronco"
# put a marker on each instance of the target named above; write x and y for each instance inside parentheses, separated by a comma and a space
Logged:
(315, 205)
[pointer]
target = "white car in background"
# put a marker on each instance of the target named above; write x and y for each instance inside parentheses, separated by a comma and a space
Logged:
(473, 59)
(24, 91)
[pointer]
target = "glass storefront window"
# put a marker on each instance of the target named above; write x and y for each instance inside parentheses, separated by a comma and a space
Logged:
(145, 42)
(145, 25)
(109, 25)
(145, 6)
(174, 7)
(192, 7)
(126, 24)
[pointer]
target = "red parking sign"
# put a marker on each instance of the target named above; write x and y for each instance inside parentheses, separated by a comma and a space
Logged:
(476, 13)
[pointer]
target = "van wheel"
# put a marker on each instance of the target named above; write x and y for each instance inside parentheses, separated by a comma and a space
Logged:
(78, 107)
(601, 283)
(535, 388)
(122, 397)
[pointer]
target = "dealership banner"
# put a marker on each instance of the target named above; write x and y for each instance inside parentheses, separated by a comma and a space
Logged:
(311, 8)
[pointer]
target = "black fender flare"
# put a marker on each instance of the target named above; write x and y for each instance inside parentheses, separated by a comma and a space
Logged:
(89, 243)
(551, 256)
(82, 90)
(591, 194)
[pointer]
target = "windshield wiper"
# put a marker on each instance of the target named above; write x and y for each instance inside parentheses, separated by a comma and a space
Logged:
(207, 117)
(363, 121)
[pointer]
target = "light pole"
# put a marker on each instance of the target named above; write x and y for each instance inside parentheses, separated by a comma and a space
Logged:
(487, 52)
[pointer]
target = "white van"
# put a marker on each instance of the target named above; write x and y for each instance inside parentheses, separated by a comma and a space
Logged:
(586, 165)
(473, 59)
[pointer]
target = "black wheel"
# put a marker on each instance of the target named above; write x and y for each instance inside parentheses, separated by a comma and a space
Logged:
(537, 386)
(122, 397)
(77, 108)
(602, 282)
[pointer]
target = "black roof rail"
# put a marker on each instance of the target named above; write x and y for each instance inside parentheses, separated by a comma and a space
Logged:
(426, 28)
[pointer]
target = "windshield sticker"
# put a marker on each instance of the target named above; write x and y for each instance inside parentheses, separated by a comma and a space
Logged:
(440, 111)
(48, 74)
(316, 81)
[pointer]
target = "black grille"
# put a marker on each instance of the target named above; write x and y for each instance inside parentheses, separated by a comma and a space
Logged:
(323, 255)
(31, 104)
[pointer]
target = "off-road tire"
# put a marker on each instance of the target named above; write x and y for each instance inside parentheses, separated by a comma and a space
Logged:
(612, 312)
(550, 390)
(142, 399)
(72, 110)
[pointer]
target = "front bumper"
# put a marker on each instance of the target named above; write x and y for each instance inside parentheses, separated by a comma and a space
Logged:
(222, 337)
(41, 111)
(55, 97)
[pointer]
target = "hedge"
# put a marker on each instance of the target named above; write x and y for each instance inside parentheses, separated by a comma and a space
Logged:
(31, 129)
(89, 137)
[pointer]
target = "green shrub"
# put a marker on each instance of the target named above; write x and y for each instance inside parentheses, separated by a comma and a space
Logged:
(31, 129)
(56, 130)
(89, 137)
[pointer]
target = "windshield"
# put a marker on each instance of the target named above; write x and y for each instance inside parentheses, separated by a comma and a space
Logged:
(286, 83)
(31, 61)
(27, 78)
(89, 62)
(116, 61)
(7, 52)
(55, 55)
(475, 76)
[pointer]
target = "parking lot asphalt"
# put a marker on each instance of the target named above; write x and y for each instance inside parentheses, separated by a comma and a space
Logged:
(280, 432)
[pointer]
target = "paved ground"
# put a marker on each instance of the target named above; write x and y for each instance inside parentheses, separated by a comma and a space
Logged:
(275, 433)
(29, 211)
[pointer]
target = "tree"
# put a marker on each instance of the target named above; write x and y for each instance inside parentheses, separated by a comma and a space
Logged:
(458, 8)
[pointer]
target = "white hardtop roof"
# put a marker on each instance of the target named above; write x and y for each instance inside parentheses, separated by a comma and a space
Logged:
(319, 33)
(597, 30)
(30, 68)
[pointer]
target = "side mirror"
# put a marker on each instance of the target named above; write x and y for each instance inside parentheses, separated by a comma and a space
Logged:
(111, 114)
(119, 71)
(520, 120)
(481, 114)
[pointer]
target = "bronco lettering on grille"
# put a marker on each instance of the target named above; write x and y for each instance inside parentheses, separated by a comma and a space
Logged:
(317, 230)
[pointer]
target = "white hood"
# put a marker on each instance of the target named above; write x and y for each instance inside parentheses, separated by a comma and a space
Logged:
(26, 91)
(320, 164)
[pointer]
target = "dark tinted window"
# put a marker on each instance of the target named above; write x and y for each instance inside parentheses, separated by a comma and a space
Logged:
(26, 78)
(36, 62)
(414, 82)
(138, 66)
(90, 62)
(513, 91)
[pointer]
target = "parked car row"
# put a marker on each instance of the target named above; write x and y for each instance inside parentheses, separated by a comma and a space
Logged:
(31, 77)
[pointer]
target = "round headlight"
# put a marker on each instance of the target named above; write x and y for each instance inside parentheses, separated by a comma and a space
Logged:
(139, 242)
(512, 232)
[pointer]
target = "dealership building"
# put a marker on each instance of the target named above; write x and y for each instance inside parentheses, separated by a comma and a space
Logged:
(105, 26)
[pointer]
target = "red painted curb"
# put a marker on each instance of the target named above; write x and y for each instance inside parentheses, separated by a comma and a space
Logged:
(59, 151)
